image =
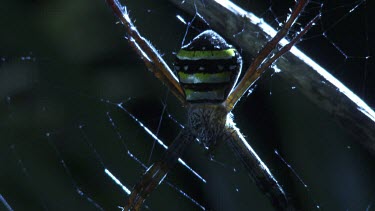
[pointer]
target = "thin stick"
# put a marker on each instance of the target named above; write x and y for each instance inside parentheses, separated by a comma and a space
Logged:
(147, 52)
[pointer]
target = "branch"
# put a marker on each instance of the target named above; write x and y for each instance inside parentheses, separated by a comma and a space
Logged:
(313, 81)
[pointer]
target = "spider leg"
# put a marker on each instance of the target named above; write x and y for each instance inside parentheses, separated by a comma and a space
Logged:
(147, 52)
(277, 55)
(158, 171)
(254, 71)
(259, 172)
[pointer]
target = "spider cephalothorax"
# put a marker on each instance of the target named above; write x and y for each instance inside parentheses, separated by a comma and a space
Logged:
(207, 68)
(207, 122)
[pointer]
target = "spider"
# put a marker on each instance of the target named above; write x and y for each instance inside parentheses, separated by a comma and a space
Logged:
(206, 84)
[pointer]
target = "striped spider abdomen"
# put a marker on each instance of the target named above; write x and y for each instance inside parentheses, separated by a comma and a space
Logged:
(207, 68)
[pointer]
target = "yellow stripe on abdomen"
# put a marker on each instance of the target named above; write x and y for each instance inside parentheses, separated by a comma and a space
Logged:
(206, 54)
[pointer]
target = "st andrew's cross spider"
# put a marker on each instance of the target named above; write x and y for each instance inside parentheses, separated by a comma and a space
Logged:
(206, 84)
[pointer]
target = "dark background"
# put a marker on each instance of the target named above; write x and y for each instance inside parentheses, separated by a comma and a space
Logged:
(64, 65)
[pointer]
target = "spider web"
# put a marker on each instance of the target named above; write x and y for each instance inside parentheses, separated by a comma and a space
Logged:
(81, 117)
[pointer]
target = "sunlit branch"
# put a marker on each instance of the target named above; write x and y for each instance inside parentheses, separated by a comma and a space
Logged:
(147, 52)
(251, 33)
